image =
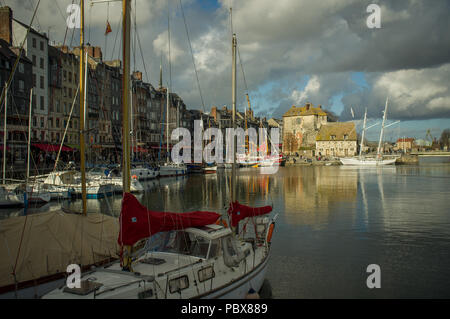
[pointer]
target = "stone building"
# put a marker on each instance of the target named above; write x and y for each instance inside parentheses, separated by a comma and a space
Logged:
(63, 86)
(114, 72)
(405, 144)
(300, 127)
(336, 139)
(18, 102)
(35, 47)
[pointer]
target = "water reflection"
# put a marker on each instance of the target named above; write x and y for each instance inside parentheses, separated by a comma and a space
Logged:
(333, 222)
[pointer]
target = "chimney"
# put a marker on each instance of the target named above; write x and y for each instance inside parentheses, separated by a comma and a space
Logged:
(6, 16)
(137, 75)
(308, 105)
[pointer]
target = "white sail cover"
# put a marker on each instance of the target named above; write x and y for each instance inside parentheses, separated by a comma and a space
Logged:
(53, 240)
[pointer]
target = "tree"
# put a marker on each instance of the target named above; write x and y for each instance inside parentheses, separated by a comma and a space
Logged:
(445, 138)
(290, 142)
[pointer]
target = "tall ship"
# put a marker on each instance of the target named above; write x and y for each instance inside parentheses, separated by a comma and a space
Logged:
(363, 160)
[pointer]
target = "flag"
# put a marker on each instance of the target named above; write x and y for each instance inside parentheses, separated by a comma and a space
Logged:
(108, 28)
(351, 110)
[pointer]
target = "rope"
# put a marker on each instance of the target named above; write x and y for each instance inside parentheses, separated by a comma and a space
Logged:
(192, 55)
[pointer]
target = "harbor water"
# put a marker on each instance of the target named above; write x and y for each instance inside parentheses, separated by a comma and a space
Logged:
(333, 222)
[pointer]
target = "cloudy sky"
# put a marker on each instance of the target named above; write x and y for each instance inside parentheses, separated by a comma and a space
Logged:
(292, 51)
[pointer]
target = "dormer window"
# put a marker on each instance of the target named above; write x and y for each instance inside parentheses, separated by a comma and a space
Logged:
(345, 137)
(333, 137)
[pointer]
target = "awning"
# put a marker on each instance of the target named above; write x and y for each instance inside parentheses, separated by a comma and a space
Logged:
(139, 149)
(75, 146)
(52, 148)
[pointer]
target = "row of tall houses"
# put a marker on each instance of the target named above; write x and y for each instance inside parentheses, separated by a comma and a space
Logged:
(307, 130)
(52, 72)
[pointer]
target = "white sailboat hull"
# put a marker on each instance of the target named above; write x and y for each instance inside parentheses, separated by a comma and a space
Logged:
(367, 162)
(172, 170)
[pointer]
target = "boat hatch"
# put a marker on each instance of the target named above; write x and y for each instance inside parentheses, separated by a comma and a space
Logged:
(153, 261)
(87, 286)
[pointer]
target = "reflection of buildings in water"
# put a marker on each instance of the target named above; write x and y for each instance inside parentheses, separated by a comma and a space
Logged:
(310, 193)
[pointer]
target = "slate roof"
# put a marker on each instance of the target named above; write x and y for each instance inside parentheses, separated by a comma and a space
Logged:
(304, 111)
(337, 129)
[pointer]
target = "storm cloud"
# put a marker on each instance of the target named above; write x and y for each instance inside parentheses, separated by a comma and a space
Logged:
(292, 51)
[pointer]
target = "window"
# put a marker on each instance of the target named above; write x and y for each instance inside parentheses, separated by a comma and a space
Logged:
(42, 45)
(57, 123)
(42, 122)
(21, 86)
(178, 284)
(34, 124)
(42, 82)
(206, 273)
(345, 136)
(34, 80)
(42, 63)
(50, 122)
(42, 103)
(34, 60)
(21, 67)
(333, 137)
(34, 43)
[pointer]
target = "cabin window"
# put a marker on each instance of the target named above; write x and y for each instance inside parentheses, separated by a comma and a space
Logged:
(178, 284)
(206, 273)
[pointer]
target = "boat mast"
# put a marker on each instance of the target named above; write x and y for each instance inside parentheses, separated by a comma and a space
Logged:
(362, 135)
(233, 101)
(29, 136)
(4, 132)
(167, 126)
(382, 129)
(131, 123)
(82, 108)
(126, 9)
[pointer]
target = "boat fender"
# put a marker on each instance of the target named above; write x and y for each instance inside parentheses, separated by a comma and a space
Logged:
(270, 232)
(252, 294)
(222, 222)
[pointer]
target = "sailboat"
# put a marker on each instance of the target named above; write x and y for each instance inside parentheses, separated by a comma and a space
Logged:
(199, 256)
(368, 161)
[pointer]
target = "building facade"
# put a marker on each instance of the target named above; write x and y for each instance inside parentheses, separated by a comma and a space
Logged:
(301, 126)
(337, 140)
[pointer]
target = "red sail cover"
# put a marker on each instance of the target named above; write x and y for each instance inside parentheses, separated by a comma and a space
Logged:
(137, 222)
(238, 212)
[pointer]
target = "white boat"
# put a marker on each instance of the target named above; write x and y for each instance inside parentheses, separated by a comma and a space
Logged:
(9, 199)
(144, 173)
(364, 161)
(196, 262)
(172, 170)
(367, 161)
(210, 169)
(95, 188)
